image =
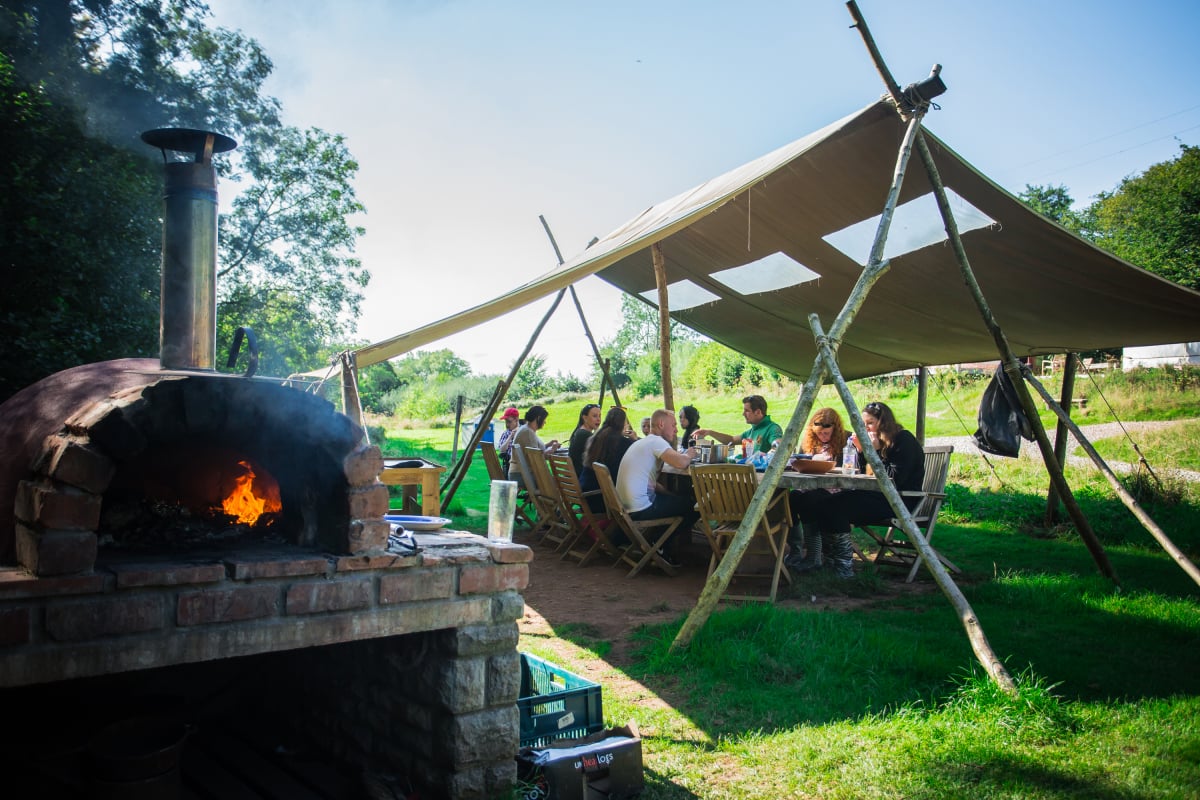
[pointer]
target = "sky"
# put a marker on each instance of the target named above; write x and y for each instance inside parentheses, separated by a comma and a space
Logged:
(469, 119)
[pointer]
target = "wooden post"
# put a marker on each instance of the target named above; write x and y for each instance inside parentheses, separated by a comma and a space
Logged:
(603, 364)
(1130, 502)
(351, 405)
(922, 400)
(1009, 359)
(450, 485)
(876, 267)
(458, 408)
(664, 324)
(1061, 435)
(1013, 368)
(966, 615)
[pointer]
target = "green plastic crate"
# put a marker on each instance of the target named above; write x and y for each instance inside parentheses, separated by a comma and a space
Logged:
(555, 703)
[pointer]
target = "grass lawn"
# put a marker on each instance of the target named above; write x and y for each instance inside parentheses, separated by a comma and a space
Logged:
(886, 700)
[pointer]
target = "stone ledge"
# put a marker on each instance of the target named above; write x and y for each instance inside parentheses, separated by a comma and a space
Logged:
(44, 662)
(166, 574)
(19, 584)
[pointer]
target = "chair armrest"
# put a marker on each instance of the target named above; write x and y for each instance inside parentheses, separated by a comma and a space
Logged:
(592, 493)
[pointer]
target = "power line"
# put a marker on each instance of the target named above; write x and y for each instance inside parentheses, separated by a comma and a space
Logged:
(1124, 150)
(1078, 147)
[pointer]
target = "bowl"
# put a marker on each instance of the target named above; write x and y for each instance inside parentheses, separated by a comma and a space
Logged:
(810, 467)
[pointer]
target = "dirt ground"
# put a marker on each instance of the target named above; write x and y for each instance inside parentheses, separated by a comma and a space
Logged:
(613, 606)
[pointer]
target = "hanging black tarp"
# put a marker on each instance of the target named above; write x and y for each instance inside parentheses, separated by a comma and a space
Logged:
(1002, 424)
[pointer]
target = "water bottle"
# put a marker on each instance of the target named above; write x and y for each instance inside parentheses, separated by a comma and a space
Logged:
(850, 458)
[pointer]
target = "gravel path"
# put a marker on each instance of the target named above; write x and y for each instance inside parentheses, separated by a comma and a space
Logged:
(966, 445)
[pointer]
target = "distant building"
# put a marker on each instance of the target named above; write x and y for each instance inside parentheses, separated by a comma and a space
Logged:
(1161, 355)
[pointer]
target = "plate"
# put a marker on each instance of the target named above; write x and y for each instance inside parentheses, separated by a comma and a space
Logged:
(418, 523)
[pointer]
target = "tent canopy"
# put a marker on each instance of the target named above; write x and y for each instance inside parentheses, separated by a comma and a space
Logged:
(750, 254)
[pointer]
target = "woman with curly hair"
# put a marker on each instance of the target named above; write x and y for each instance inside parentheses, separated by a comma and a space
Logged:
(824, 439)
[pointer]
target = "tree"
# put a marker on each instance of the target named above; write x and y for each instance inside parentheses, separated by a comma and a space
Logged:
(637, 336)
(432, 366)
(1053, 202)
(82, 196)
(530, 380)
(79, 241)
(288, 246)
(1153, 219)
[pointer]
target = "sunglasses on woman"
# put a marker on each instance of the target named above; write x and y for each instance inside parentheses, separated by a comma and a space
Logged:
(822, 425)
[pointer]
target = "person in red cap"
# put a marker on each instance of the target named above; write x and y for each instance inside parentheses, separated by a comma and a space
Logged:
(512, 421)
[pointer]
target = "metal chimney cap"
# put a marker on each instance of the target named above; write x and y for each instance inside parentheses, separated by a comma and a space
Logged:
(189, 140)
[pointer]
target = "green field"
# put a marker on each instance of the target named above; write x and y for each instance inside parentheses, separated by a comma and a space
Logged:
(887, 701)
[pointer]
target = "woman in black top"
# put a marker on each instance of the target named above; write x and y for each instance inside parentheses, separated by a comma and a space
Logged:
(689, 423)
(607, 446)
(589, 421)
(904, 461)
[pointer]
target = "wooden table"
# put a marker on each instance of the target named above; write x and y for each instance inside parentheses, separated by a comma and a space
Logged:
(426, 477)
(828, 480)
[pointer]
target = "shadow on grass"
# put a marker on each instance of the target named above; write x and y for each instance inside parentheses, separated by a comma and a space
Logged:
(1020, 777)
(1041, 602)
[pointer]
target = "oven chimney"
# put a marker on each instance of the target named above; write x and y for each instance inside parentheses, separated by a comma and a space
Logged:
(187, 321)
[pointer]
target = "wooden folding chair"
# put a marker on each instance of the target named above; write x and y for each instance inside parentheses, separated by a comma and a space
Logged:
(496, 472)
(539, 483)
(644, 549)
(723, 494)
(895, 548)
(589, 534)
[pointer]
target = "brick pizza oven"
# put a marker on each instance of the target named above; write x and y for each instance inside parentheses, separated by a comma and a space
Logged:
(129, 586)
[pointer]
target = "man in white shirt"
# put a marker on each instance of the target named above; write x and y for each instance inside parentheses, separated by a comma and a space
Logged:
(638, 476)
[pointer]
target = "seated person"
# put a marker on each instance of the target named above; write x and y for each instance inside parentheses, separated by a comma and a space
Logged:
(904, 460)
(689, 423)
(526, 436)
(824, 439)
(645, 426)
(638, 477)
(763, 432)
(512, 420)
(607, 447)
(589, 421)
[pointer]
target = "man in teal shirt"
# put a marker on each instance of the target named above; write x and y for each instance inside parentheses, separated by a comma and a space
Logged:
(763, 431)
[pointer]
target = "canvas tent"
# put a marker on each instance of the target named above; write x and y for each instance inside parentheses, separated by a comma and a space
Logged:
(751, 253)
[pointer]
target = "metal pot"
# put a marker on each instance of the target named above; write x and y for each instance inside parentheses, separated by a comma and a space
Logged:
(718, 453)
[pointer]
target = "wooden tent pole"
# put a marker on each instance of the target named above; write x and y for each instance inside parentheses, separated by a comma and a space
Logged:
(1013, 368)
(1060, 438)
(1010, 362)
(351, 405)
(1130, 502)
(889, 82)
(600, 362)
(876, 267)
(966, 615)
(450, 486)
(664, 324)
(922, 402)
(458, 470)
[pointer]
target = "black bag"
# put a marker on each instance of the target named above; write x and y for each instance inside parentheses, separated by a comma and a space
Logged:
(1002, 423)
